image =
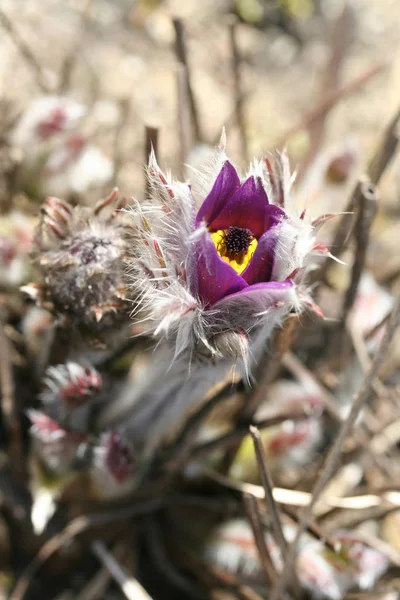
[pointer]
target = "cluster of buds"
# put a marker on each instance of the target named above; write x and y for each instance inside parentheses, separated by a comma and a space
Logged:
(57, 157)
(61, 431)
(64, 446)
(221, 277)
(325, 574)
(292, 443)
(81, 253)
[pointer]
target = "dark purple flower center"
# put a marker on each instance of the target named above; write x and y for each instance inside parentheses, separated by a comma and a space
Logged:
(237, 241)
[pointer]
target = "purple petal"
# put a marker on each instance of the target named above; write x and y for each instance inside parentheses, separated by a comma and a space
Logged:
(224, 187)
(256, 304)
(275, 290)
(246, 208)
(243, 306)
(273, 215)
(215, 277)
(262, 263)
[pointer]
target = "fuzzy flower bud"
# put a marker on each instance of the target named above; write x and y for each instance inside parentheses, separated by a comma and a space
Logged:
(57, 157)
(56, 448)
(326, 575)
(234, 266)
(81, 253)
(114, 466)
(16, 232)
(68, 394)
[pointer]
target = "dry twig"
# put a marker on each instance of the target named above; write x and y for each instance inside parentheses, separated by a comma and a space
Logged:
(266, 371)
(181, 54)
(330, 100)
(335, 451)
(131, 588)
(9, 407)
(253, 516)
(124, 107)
(379, 162)
(183, 116)
(25, 51)
(238, 95)
(268, 486)
(342, 36)
(365, 216)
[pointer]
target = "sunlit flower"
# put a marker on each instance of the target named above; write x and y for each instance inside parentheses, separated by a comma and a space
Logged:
(234, 268)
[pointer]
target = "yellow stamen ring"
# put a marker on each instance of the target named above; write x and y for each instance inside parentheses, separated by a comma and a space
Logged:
(237, 260)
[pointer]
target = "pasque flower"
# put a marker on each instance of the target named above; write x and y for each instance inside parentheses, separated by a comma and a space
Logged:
(236, 266)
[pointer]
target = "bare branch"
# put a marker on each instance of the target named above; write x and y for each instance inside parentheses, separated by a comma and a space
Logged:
(181, 54)
(268, 486)
(238, 95)
(130, 587)
(335, 451)
(250, 504)
(25, 51)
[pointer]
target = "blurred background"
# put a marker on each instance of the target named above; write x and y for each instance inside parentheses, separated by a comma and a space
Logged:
(118, 59)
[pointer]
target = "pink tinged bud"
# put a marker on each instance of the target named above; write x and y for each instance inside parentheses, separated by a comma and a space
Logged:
(317, 576)
(70, 394)
(341, 167)
(55, 447)
(359, 565)
(292, 441)
(54, 123)
(8, 251)
(120, 460)
(114, 466)
(233, 548)
(44, 121)
(73, 383)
